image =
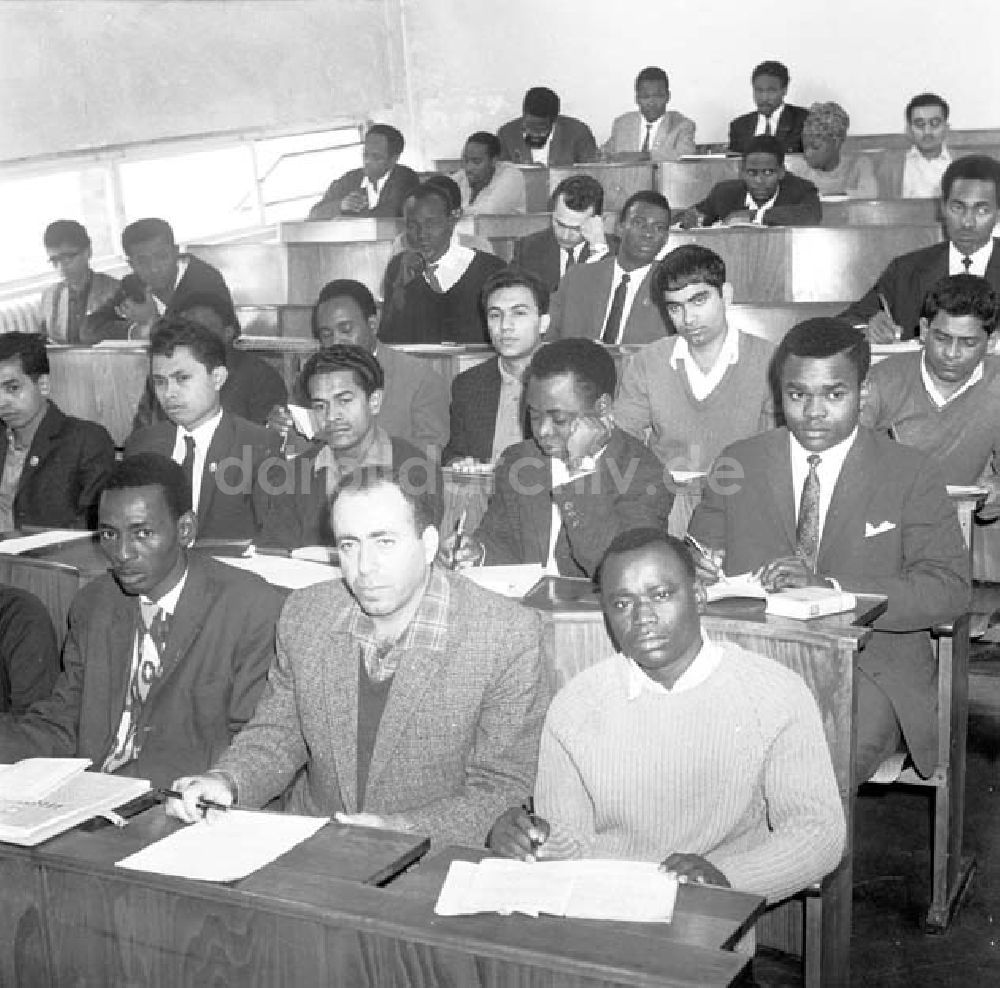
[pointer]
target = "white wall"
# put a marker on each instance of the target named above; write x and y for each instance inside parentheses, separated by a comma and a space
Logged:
(469, 61)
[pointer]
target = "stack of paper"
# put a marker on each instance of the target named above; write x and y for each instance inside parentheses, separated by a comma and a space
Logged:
(803, 603)
(635, 891)
(225, 848)
(511, 581)
(42, 797)
(40, 540)
(738, 585)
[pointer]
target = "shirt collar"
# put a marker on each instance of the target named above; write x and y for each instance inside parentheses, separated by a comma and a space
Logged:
(203, 433)
(774, 117)
(452, 264)
(506, 378)
(634, 276)
(980, 257)
(376, 186)
(832, 458)
(377, 454)
(932, 389)
(751, 203)
(428, 628)
(702, 666)
(168, 602)
(943, 156)
(729, 354)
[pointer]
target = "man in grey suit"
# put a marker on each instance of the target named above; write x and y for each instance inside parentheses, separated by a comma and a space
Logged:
(408, 697)
(651, 133)
(543, 136)
(609, 300)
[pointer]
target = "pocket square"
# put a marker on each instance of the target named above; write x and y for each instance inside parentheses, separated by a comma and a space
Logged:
(872, 530)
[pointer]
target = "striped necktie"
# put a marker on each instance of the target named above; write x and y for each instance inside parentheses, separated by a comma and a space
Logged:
(807, 529)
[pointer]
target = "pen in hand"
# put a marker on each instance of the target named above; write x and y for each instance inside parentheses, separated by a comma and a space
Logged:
(529, 807)
(705, 554)
(885, 308)
(203, 804)
(459, 532)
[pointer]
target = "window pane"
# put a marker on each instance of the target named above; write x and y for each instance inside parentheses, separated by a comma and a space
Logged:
(198, 194)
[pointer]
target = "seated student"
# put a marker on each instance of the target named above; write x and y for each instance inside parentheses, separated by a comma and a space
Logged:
(415, 397)
(404, 241)
(345, 387)
(252, 386)
(609, 300)
(685, 388)
(378, 188)
(489, 185)
(651, 133)
(831, 169)
(698, 754)
(765, 193)
(80, 290)
(432, 291)
(560, 497)
(971, 193)
(543, 136)
(575, 236)
(918, 173)
(166, 655)
(773, 116)
(403, 696)
(29, 651)
(487, 411)
(827, 502)
(220, 453)
(162, 281)
(52, 466)
(945, 399)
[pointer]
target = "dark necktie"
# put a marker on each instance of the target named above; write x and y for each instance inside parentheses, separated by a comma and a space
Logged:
(768, 129)
(187, 464)
(967, 263)
(570, 258)
(807, 529)
(645, 140)
(611, 327)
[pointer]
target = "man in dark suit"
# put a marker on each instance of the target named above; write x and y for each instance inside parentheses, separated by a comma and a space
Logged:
(52, 466)
(560, 497)
(166, 655)
(609, 300)
(970, 190)
(765, 193)
(542, 136)
(773, 117)
(873, 517)
(575, 236)
(252, 386)
(162, 281)
(378, 188)
(220, 453)
(487, 413)
(29, 650)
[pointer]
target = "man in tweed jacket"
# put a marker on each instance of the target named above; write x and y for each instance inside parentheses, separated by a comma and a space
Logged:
(412, 699)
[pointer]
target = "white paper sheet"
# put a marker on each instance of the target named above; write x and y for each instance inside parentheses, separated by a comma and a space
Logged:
(738, 585)
(15, 546)
(35, 778)
(283, 572)
(511, 581)
(635, 891)
(231, 846)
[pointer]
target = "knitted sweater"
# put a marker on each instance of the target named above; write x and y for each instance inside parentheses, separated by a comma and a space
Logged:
(963, 436)
(735, 769)
(688, 434)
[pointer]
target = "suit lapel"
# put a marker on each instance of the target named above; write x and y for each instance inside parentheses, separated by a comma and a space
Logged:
(779, 476)
(122, 627)
(602, 277)
(849, 499)
(193, 605)
(41, 443)
(413, 679)
(221, 445)
(537, 512)
(338, 663)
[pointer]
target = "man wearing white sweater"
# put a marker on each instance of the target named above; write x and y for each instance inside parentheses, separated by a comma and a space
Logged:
(698, 754)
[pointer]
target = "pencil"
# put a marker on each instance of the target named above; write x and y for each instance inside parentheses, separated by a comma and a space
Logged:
(203, 804)
(885, 308)
(459, 532)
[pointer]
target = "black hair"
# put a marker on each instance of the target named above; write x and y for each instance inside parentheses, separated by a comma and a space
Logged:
(142, 231)
(67, 233)
(647, 196)
(772, 68)
(515, 278)
(640, 538)
(360, 362)
(30, 348)
(765, 144)
(926, 99)
(963, 295)
(540, 101)
(393, 138)
(652, 73)
(172, 331)
(153, 470)
(435, 190)
(591, 365)
(489, 141)
(579, 192)
(416, 485)
(688, 265)
(974, 168)
(344, 288)
(221, 306)
(821, 338)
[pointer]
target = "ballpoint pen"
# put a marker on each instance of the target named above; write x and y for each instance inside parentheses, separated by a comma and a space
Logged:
(459, 532)
(203, 803)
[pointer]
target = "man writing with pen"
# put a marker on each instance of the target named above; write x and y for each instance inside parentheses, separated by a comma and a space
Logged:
(677, 749)
(828, 502)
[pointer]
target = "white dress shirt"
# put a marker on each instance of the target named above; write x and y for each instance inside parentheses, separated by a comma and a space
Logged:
(202, 440)
(828, 470)
(374, 189)
(597, 251)
(703, 384)
(540, 156)
(979, 260)
(452, 264)
(654, 130)
(922, 176)
(508, 428)
(560, 476)
(702, 666)
(762, 122)
(182, 266)
(931, 388)
(635, 278)
(759, 211)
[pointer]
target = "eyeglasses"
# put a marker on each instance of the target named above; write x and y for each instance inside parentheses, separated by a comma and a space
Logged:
(64, 257)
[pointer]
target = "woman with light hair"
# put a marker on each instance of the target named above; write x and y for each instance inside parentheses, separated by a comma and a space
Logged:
(824, 163)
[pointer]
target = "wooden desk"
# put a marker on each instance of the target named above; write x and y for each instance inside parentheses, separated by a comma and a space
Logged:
(618, 180)
(882, 212)
(967, 140)
(703, 916)
(68, 916)
(823, 651)
(686, 182)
